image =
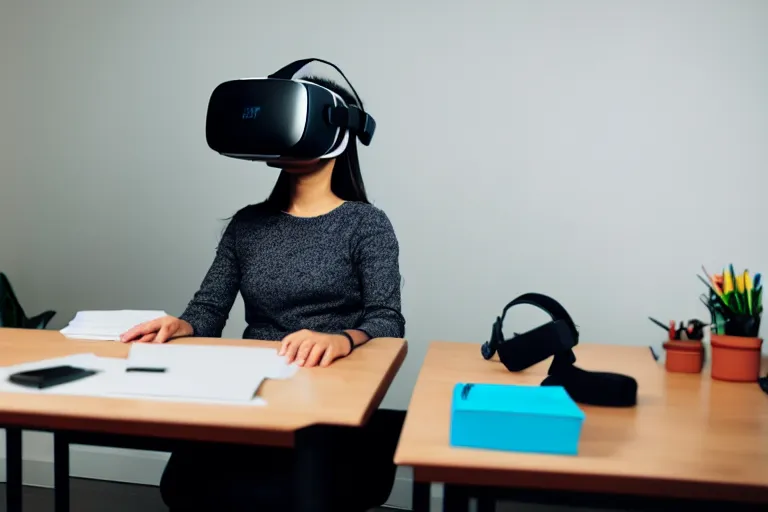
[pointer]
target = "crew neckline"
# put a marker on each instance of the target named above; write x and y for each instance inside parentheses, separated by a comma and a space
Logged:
(314, 217)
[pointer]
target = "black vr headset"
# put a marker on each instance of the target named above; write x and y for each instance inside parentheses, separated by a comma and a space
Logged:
(284, 119)
(557, 338)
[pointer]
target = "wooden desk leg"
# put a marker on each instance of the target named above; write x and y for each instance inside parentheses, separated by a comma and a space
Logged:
(313, 474)
(61, 472)
(455, 499)
(422, 496)
(13, 469)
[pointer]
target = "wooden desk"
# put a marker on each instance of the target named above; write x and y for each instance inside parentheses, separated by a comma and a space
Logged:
(689, 437)
(346, 394)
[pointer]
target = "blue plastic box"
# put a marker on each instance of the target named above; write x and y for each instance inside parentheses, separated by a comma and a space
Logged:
(534, 419)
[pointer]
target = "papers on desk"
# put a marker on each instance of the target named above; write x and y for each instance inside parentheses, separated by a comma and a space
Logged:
(200, 374)
(106, 325)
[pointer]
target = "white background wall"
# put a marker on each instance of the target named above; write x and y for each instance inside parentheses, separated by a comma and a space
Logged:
(597, 151)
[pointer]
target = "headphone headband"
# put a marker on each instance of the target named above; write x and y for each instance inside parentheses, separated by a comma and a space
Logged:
(547, 304)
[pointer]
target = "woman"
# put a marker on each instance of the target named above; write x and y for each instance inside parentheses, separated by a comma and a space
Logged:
(316, 263)
(317, 266)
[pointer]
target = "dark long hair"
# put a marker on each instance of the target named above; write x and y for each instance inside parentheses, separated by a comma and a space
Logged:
(346, 180)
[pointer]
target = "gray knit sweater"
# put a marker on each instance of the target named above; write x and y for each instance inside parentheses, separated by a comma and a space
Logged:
(328, 273)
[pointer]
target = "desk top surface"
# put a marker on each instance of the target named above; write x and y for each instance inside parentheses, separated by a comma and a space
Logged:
(688, 437)
(345, 393)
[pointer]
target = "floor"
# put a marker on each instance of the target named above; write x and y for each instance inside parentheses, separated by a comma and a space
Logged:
(97, 496)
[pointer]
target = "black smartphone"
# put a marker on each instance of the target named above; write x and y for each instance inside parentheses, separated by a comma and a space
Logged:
(49, 377)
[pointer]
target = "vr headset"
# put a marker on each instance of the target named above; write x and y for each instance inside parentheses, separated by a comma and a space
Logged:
(557, 338)
(284, 119)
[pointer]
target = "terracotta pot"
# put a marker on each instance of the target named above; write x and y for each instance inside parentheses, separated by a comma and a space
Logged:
(736, 358)
(684, 356)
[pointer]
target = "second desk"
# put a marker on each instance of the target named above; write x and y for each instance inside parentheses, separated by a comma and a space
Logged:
(688, 439)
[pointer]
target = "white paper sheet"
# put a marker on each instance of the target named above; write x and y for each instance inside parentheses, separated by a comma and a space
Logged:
(107, 325)
(231, 374)
(264, 361)
(102, 384)
(197, 374)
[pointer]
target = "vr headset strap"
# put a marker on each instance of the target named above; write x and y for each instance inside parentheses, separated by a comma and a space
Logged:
(558, 314)
(547, 304)
(289, 71)
(350, 117)
(593, 388)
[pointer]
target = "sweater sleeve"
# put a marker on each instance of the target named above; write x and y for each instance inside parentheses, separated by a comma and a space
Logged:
(376, 253)
(209, 309)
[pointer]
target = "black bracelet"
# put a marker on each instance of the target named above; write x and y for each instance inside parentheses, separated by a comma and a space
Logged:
(351, 340)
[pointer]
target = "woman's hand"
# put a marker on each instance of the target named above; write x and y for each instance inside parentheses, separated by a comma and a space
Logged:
(309, 348)
(158, 331)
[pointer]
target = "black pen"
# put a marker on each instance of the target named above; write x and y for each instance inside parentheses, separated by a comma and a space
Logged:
(145, 369)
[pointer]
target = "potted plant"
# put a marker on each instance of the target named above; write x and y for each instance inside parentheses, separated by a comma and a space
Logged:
(735, 303)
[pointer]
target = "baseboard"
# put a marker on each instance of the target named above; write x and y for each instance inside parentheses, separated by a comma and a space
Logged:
(117, 465)
(402, 491)
(35, 473)
(146, 468)
(126, 466)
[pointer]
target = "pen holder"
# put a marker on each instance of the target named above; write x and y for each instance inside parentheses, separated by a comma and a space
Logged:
(735, 358)
(684, 356)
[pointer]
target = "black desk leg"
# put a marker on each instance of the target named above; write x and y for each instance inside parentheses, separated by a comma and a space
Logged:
(313, 473)
(486, 505)
(422, 496)
(13, 469)
(455, 498)
(61, 472)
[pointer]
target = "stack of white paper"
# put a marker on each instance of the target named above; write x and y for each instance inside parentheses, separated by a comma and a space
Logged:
(106, 325)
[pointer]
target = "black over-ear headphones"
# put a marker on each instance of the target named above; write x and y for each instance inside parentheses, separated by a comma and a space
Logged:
(557, 338)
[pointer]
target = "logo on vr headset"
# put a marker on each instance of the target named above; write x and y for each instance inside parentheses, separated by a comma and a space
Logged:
(251, 112)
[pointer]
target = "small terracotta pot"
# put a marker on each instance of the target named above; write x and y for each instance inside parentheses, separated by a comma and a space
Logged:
(736, 358)
(684, 356)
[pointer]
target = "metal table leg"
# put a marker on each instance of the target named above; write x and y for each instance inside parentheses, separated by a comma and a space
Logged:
(13, 469)
(486, 505)
(455, 498)
(313, 473)
(422, 496)
(61, 472)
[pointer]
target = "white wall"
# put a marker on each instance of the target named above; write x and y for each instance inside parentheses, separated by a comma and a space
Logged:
(597, 151)
(9, 223)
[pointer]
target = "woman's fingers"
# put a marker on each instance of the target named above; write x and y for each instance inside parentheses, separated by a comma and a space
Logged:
(163, 334)
(303, 353)
(328, 357)
(147, 338)
(292, 339)
(291, 349)
(315, 355)
(142, 329)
